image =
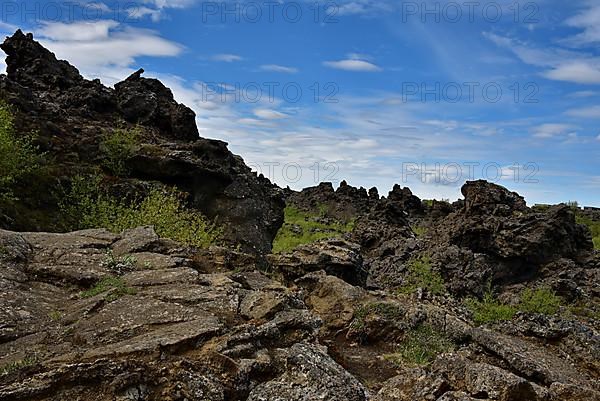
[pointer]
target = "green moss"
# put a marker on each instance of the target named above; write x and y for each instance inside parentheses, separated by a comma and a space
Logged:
(86, 205)
(421, 275)
(421, 346)
(114, 286)
(18, 155)
(118, 146)
(301, 228)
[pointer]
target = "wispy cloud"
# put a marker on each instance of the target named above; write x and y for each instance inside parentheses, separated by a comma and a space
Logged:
(278, 68)
(268, 114)
(226, 58)
(552, 130)
(585, 112)
(353, 63)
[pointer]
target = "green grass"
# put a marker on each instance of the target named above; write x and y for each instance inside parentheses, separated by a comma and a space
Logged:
(87, 205)
(114, 285)
(118, 264)
(118, 146)
(18, 155)
(421, 346)
(490, 309)
(18, 365)
(301, 228)
(594, 227)
(421, 275)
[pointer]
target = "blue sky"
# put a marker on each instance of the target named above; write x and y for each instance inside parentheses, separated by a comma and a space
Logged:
(425, 94)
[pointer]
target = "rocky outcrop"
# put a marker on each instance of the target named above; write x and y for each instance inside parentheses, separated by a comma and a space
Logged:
(71, 115)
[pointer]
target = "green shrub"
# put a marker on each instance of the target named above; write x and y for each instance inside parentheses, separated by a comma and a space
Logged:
(87, 205)
(541, 300)
(18, 155)
(118, 146)
(421, 346)
(115, 287)
(489, 309)
(118, 264)
(421, 275)
(304, 228)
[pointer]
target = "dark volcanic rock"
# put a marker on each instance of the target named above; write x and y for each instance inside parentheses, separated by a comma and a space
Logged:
(72, 114)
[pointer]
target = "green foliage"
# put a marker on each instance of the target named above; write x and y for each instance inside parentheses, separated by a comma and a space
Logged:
(594, 227)
(304, 228)
(55, 316)
(421, 275)
(114, 286)
(490, 310)
(86, 205)
(421, 346)
(18, 155)
(387, 311)
(19, 365)
(419, 231)
(118, 146)
(118, 264)
(541, 300)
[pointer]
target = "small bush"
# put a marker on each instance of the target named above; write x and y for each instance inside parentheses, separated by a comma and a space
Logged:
(18, 155)
(86, 205)
(301, 228)
(541, 300)
(115, 285)
(421, 275)
(421, 346)
(118, 146)
(489, 309)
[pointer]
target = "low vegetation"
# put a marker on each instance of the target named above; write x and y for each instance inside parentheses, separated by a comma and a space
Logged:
(594, 227)
(118, 146)
(18, 155)
(490, 309)
(86, 205)
(421, 346)
(419, 231)
(421, 275)
(301, 228)
(384, 310)
(118, 264)
(115, 288)
(18, 365)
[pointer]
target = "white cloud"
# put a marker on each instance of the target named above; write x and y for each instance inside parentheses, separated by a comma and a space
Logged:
(226, 58)
(552, 130)
(585, 112)
(581, 72)
(589, 21)
(78, 31)
(278, 68)
(353, 65)
(268, 114)
(141, 12)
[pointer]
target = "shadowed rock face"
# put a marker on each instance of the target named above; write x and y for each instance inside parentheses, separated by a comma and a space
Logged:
(71, 114)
